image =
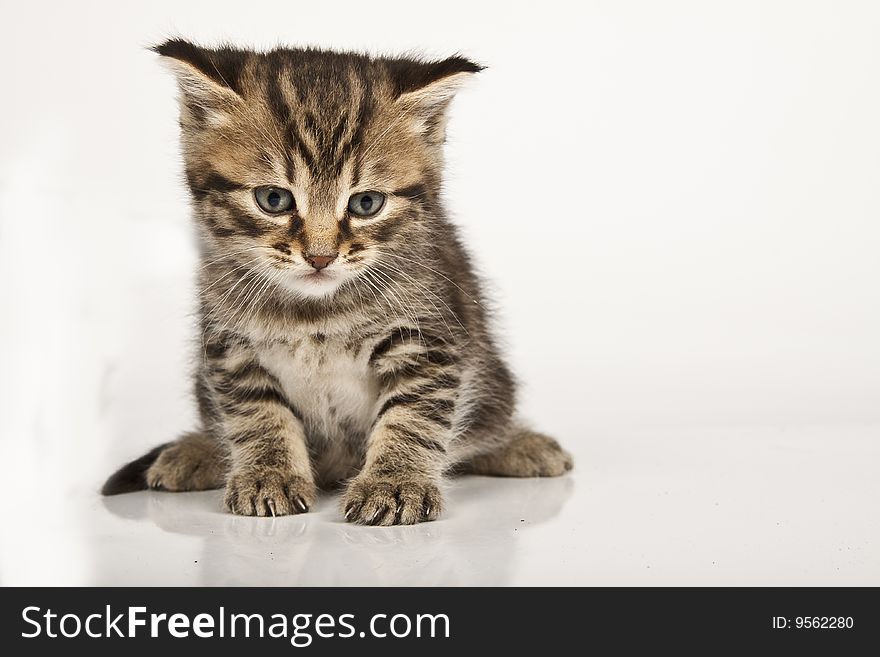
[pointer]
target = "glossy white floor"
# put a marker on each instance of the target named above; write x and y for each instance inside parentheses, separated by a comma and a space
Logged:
(745, 507)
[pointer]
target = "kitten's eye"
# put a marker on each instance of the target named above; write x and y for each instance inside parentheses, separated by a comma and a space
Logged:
(274, 200)
(366, 204)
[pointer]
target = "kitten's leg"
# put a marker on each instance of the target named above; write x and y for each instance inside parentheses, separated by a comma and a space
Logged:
(407, 450)
(526, 454)
(196, 461)
(270, 473)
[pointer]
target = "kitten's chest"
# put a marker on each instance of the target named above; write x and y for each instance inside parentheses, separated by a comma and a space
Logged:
(328, 381)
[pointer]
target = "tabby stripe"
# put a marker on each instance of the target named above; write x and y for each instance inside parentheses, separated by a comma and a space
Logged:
(245, 222)
(336, 134)
(197, 112)
(434, 406)
(356, 171)
(236, 401)
(436, 411)
(255, 433)
(345, 233)
(398, 400)
(410, 436)
(219, 231)
(411, 371)
(440, 357)
(395, 339)
(445, 380)
(202, 187)
(300, 146)
(295, 226)
(245, 370)
(260, 394)
(439, 412)
(429, 389)
(280, 111)
(364, 109)
(415, 192)
(222, 341)
(391, 226)
(311, 124)
(274, 95)
(248, 225)
(216, 350)
(218, 183)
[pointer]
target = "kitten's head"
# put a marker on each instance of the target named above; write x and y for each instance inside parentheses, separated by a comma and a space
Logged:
(310, 166)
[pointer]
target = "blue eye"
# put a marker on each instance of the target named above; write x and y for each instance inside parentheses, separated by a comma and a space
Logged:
(274, 200)
(366, 204)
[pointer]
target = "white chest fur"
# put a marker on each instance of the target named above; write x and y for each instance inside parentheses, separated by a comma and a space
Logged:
(330, 385)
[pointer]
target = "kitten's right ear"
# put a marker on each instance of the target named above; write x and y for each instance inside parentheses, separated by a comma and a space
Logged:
(208, 79)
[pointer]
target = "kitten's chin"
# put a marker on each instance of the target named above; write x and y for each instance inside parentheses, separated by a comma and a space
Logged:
(318, 285)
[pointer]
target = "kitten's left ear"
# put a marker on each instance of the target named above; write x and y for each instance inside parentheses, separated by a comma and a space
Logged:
(425, 90)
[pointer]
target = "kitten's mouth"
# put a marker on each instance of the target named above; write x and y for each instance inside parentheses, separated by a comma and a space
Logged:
(315, 284)
(318, 277)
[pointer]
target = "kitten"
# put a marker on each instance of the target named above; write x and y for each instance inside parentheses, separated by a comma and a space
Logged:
(344, 338)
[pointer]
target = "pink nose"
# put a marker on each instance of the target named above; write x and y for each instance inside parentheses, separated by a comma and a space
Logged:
(319, 261)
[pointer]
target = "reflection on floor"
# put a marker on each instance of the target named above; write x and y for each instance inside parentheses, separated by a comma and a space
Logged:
(474, 545)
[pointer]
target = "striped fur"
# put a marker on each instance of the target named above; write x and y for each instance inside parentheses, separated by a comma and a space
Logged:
(379, 371)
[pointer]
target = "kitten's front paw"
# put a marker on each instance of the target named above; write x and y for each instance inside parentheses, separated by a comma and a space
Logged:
(384, 501)
(268, 492)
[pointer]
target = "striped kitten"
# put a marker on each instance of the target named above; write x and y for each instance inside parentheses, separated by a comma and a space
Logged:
(343, 335)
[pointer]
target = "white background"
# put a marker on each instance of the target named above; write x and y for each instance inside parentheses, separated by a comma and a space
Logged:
(675, 204)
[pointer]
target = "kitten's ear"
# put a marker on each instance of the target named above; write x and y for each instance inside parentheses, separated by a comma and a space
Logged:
(207, 78)
(425, 89)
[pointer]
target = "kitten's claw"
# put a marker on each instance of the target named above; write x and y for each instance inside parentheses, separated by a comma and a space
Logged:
(268, 492)
(386, 501)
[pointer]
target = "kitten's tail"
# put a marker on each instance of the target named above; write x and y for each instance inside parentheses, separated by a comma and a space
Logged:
(196, 461)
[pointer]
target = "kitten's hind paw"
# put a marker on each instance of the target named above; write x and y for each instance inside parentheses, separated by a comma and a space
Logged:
(268, 492)
(528, 454)
(384, 501)
(194, 462)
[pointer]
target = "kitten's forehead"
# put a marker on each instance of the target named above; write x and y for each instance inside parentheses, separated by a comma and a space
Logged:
(311, 110)
(324, 86)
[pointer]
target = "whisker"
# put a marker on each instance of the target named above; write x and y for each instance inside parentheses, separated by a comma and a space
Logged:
(380, 263)
(441, 274)
(408, 313)
(229, 255)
